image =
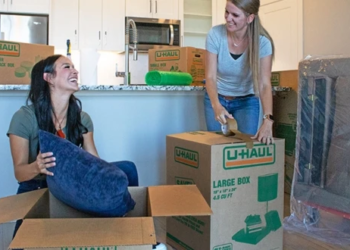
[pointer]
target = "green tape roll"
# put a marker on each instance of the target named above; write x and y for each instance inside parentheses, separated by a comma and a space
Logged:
(168, 78)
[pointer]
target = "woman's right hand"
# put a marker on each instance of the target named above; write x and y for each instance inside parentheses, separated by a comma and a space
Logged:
(221, 113)
(45, 161)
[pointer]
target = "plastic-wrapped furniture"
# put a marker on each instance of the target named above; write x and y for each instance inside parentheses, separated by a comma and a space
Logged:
(320, 198)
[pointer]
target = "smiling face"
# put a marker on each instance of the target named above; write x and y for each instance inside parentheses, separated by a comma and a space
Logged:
(236, 19)
(64, 77)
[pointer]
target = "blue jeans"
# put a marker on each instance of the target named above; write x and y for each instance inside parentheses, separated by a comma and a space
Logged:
(128, 168)
(245, 110)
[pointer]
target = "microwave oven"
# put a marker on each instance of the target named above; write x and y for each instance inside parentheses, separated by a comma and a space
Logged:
(155, 33)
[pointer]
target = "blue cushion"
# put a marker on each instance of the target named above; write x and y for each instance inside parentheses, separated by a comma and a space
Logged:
(85, 182)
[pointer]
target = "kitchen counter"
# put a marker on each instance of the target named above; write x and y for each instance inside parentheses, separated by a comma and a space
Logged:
(141, 87)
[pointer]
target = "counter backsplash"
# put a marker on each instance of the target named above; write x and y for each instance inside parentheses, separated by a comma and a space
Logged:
(106, 67)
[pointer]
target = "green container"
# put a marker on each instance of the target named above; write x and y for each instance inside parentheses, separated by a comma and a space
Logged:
(168, 78)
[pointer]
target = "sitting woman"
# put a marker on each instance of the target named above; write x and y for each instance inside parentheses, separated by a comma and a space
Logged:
(54, 109)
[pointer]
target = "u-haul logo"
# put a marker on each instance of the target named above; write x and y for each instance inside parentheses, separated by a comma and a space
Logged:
(9, 49)
(186, 157)
(167, 55)
(243, 157)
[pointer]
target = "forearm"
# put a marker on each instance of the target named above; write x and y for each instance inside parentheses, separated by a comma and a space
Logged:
(266, 99)
(212, 92)
(89, 144)
(26, 172)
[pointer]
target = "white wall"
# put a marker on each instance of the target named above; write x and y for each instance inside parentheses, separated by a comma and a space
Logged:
(326, 27)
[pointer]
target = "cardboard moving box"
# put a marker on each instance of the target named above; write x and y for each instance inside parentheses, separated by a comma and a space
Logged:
(243, 186)
(17, 60)
(50, 224)
(179, 59)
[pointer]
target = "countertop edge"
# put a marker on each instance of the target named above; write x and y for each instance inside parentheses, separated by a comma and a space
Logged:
(114, 88)
(131, 88)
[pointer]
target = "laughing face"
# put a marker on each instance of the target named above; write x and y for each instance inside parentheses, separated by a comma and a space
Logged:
(65, 76)
(236, 19)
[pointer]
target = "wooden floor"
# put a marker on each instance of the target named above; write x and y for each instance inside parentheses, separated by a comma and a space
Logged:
(291, 240)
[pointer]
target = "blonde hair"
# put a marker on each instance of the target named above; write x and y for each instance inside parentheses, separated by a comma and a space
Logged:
(255, 29)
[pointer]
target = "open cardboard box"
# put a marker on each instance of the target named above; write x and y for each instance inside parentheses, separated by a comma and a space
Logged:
(50, 224)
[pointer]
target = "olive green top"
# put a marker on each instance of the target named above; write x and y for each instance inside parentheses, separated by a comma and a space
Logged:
(24, 124)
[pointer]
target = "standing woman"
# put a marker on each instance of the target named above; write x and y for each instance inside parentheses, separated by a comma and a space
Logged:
(238, 71)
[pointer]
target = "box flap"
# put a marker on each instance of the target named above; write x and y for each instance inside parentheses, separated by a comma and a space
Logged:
(17, 206)
(207, 138)
(215, 138)
(177, 200)
(84, 232)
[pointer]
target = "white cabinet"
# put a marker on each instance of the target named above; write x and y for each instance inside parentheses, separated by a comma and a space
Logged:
(197, 21)
(113, 25)
(26, 6)
(96, 24)
(101, 24)
(90, 24)
(280, 19)
(3, 5)
(219, 7)
(64, 24)
(167, 9)
(299, 28)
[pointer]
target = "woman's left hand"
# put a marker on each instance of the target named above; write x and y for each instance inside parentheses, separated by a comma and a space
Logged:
(264, 134)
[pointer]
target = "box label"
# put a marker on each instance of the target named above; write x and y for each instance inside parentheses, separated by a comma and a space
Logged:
(186, 157)
(9, 49)
(242, 157)
(167, 55)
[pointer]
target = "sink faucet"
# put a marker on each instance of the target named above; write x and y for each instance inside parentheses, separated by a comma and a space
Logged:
(127, 45)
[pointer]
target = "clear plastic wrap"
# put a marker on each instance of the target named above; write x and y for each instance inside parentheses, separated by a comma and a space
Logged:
(320, 197)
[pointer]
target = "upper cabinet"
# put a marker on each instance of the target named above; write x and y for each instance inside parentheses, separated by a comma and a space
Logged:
(197, 21)
(94, 24)
(113, 25)
(26, 6)
(299, 28)
(90, 24)
(62, 29)
(281, 19)
(167, 9)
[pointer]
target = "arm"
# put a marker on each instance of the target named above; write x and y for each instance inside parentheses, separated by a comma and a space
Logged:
(265, 90)
(89, 144)
(20, 152)
(211, 86)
